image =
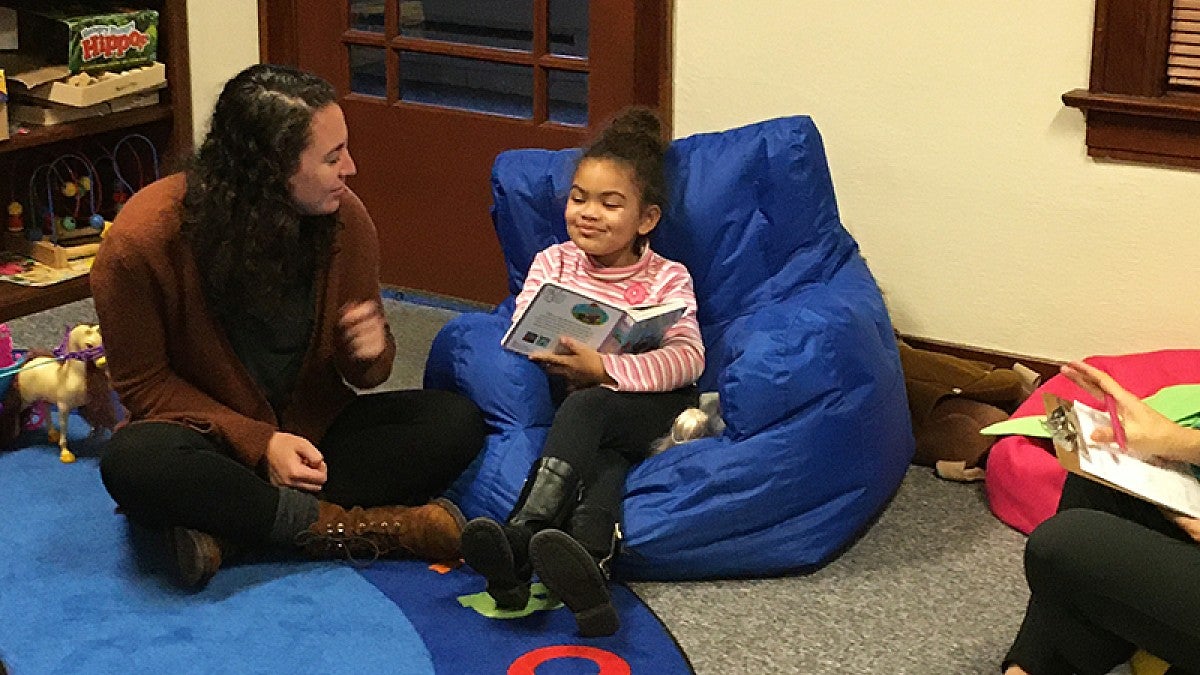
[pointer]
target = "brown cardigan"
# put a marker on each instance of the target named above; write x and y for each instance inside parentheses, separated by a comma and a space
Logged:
(171, 361)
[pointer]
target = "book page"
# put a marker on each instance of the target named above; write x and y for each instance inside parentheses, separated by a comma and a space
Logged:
(648, 332)
(1166, 483)
(556, 311)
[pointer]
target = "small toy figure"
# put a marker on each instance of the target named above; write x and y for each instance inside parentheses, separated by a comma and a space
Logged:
(694, 423)
(72, 377)
(16, 217)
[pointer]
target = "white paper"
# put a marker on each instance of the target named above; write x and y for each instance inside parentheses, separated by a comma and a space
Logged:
(1166, 483)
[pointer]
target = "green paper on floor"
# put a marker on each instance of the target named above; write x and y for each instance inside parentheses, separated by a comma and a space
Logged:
(539, 599)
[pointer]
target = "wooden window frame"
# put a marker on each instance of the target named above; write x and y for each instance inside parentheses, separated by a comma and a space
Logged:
(1131, 113)
(652, 64)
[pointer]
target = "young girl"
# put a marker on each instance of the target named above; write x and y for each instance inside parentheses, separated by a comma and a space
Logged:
(565, 523)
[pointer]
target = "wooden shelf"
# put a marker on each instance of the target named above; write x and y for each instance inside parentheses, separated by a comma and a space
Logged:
(18, 300)
(83, 128)
(171, 120)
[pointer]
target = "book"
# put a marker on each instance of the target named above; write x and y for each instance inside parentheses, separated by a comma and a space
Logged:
(1167, 483)
(557, 310)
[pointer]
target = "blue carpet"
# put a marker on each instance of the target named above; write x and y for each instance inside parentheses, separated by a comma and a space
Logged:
(82, 591)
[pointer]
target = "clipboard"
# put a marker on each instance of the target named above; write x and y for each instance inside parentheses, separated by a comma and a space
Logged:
(1070, 445)
(1063, 423)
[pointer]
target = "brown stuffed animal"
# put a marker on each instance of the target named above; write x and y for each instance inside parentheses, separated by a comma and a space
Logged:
(950, 400)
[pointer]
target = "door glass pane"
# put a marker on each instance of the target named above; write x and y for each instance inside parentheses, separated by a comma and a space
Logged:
(568, 97)
(507, 24)
(367, 15)
(569, 28)
(468, 84)
(368, 70)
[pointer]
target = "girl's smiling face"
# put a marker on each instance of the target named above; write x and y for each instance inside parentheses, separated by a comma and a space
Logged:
(605, 216)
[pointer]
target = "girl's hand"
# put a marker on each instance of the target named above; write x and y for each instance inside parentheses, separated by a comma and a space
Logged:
(364, 329)
(1147, 432)
(292, 461)
(578, 363)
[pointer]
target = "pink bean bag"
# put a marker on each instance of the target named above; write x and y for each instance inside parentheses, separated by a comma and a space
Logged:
(1024, 480)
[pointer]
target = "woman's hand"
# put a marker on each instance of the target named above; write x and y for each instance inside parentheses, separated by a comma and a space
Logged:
(1186, 523)
(1147, 432)
(578, 363)
(364, 329)
(292, 461)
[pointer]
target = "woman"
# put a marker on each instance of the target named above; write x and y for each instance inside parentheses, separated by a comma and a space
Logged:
(1110, 573)
(240, 306)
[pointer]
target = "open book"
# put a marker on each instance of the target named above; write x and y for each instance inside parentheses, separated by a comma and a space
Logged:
(1163, 482)
(556, 311)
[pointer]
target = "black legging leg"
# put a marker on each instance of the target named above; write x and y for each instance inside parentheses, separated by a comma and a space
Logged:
(622, 422)
(1104, 582)
(400, 447)
(392, 448)
(167, 474)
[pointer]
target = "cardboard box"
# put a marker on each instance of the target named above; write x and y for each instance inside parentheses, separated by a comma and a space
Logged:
(40, 113)
(54, 84)
(90, 38)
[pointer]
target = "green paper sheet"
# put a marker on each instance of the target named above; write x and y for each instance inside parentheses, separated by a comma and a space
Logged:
(539, 600)
(1179, 403)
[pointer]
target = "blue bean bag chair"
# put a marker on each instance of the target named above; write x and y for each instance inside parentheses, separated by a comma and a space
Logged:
(799, 347)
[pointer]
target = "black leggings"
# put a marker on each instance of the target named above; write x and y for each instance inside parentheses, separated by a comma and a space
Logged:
(1108, 574)
(601, 433)
(399, 447)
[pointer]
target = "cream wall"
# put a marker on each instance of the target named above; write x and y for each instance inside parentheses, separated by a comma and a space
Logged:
(957, 167)
(222, 39)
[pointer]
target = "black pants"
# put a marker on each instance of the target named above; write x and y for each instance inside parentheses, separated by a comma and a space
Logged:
(601, 433)
(400, 447)
(1108, 574)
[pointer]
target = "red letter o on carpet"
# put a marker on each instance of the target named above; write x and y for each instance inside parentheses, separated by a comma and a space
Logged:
(610, 664)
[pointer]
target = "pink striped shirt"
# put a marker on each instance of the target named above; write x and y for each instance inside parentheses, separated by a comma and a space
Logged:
(653, 279)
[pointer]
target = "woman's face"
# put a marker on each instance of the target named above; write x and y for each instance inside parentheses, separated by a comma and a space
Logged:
(320, 180)
(605, 214)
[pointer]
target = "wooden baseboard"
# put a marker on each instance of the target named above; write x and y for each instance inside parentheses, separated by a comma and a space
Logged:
(431, 299)
(1046, 369)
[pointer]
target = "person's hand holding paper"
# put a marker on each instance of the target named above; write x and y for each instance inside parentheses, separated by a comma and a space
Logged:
(1147, 431)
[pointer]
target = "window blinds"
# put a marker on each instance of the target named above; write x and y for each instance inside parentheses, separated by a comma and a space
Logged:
(1183, 60)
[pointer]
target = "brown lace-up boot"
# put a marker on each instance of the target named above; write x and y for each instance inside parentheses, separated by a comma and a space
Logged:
(195, 556)
(432, 532)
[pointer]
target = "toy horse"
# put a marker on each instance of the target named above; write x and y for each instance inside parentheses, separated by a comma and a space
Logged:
(73, 377)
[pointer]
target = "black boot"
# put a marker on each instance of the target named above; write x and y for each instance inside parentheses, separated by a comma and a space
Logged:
(597, 530)
(577, 569)
(501, 553)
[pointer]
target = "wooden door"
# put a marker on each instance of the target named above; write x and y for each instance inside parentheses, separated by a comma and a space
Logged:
(434, 89)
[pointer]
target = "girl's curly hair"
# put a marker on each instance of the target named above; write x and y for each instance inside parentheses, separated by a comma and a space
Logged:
(245, 232)
(634, 137)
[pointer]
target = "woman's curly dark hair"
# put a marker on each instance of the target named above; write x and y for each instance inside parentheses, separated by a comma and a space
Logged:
(245, 232)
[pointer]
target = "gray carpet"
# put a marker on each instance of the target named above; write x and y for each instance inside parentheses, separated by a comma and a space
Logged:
(934, 587)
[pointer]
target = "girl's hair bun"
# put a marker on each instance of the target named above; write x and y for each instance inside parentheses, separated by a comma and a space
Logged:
(635, 137)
